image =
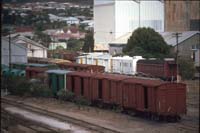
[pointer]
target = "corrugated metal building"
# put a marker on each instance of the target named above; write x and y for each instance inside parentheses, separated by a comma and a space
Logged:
(18, 52)
(114, 18)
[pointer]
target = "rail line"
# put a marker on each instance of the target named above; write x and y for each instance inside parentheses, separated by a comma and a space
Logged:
(78, 122)
(26, 123)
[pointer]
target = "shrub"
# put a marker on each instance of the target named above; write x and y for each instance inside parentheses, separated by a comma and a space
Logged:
(186, 68)
(40, 90)
(18, 85)
(82, 101)
(65, 95)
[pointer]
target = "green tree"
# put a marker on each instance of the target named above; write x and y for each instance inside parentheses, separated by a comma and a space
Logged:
(147, 43)
(88, 43)
(42, 37)
(186, 68)
(74, 45)
(59, 47)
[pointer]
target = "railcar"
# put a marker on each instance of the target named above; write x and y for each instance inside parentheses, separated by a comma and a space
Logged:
(154, 98)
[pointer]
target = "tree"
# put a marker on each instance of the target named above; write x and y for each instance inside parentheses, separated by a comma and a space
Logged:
(74, 44)
(147, 43)
(186, 68)
(59, 47)
(88, 43)
(44, 38)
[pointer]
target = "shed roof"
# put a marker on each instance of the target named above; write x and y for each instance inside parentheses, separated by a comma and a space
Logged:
(122, 39)
(171, 40)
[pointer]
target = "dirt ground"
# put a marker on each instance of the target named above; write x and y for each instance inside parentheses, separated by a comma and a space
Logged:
(125, 123)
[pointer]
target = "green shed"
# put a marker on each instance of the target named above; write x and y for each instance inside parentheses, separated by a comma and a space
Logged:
(57, 79)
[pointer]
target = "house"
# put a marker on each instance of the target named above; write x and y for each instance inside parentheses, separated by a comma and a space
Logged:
(18, 52)
(188, 43)
(68, 20)
(72, 20)
(55, 45)
(34, 49)
(116, 46)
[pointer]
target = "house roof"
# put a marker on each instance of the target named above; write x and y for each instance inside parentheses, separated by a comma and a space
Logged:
(22, 38)
(24, 29)
(171, 40)
(122, 40)
(5, 39)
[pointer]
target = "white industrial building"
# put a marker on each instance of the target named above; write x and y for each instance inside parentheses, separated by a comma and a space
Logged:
(114, 18)
(18, 52)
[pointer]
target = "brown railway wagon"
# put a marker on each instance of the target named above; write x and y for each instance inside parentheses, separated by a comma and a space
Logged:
(151, 96)
(135, 91)
(107, 87)
(158, 68)
(154, 96)
(171, 99)
(80, 83)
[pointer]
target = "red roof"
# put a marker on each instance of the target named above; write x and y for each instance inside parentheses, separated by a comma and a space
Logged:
(67, 35)
(73, 29)
(24, 29)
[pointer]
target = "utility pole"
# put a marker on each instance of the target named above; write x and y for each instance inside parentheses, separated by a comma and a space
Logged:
(177, 35)
(9, 51)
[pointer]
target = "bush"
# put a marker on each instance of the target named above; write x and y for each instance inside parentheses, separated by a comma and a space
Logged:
(186, 68)
(65, 95)
(82, 101)
(20, 86)
(40, 90)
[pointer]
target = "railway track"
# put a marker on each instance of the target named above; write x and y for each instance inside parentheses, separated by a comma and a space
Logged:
(31, 125)
(81, 123)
